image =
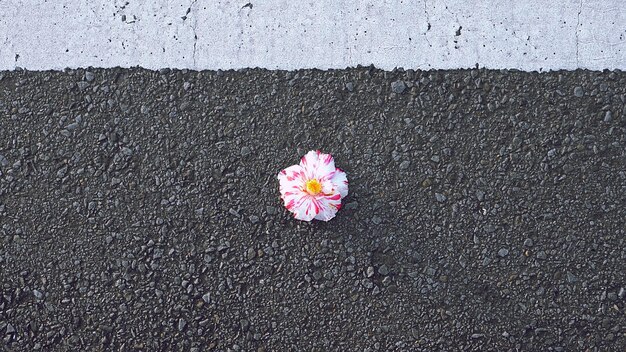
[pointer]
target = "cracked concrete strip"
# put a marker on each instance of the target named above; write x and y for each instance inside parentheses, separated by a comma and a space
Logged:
(279, 34)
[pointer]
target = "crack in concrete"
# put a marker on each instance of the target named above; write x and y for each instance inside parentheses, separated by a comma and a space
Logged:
(452, 13)
(580, 10)
(427, 14)
(427, 22)
(193, 27)
(458, 30)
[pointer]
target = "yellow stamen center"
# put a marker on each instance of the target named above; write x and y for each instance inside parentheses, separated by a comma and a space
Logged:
(313, 187)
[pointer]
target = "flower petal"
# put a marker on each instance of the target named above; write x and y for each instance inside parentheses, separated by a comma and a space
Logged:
(292, 173)
(305, 208)
(291, 179)
(328, 205)
(328, 187)
(318, 165)
(340, 182)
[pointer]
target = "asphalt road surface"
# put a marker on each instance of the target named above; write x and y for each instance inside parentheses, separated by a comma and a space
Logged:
(139, 211)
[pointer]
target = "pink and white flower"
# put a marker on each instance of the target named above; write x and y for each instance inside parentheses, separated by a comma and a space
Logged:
(314, 188)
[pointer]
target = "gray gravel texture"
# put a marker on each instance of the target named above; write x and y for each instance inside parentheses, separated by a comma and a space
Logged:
(139, 211)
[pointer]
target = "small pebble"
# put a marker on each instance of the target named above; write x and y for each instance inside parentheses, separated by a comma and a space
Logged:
(3, 161)
(571, 278)
(612, 296)
(206, 298)
(251, 254)
(181, 324)
(38, 294)
(82, 85)
(351, 205)
(578, 92)
(72, 126)
(398, 87)
(127, 151)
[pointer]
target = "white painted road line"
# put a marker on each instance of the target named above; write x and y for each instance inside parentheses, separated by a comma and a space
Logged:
(285, 34)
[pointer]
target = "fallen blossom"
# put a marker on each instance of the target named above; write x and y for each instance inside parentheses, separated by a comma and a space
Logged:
(314, 188)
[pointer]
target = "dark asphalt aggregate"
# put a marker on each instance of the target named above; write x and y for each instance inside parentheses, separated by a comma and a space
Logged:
(139, 211)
